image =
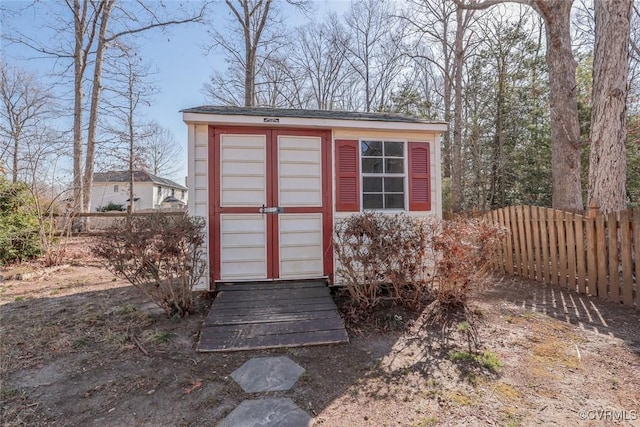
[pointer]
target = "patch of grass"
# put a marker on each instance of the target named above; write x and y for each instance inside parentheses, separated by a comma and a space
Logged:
(19, 298)
(162, 336)
(490, 361)
(127, 309)
(553, 351)
(487, 358)
(119, 339)
(80, 342)
(508, 391)
(461, 356)
(55, 292)
(460, 398)
(426, 422)
(463, 326)
(8, 393)
(512, 419)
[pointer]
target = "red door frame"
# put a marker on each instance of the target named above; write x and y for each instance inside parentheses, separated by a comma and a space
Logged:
(273, 244)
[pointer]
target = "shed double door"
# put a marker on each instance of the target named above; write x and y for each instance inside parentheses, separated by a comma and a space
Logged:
(270, 216)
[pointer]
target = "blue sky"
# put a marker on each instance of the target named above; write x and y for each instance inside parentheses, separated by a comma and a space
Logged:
(177, 56)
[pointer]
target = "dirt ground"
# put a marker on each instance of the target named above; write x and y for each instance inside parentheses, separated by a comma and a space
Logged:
(79, 347)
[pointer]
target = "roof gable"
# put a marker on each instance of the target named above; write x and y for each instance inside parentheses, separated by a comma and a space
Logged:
(138, 176)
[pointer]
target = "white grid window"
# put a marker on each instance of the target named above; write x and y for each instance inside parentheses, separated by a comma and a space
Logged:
(383, 174)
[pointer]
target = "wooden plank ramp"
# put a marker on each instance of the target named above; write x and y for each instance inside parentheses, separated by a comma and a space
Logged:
(261, 315)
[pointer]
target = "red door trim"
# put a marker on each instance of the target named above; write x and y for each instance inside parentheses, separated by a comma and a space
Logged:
(327, 217)
(273, 229)
(273, 249)
(214, 203)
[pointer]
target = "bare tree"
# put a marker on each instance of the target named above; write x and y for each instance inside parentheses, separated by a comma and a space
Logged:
(319, 52)
(607, 163)
(160, 152)
(26, 105)
(247, 41)
(132, 94)
(445, 26)
(373, 50)
(95, 26)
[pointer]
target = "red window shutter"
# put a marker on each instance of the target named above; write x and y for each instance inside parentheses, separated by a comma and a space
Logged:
(347, 176)
(419, 176)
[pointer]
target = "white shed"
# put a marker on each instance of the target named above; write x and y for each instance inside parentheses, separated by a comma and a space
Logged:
(272, 182)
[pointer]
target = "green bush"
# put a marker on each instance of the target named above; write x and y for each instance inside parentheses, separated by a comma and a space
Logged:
(111, 207)
(19, 238)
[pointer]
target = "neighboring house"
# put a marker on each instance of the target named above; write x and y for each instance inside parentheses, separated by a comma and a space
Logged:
(150, 191)
(271, 183)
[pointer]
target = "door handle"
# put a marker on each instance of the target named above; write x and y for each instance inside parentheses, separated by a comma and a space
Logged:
(274, 210)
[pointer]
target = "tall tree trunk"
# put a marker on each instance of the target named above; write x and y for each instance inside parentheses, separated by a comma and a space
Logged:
(565, 128)
(607, 162)
(79, 66)
(446, 139)
(456, 185)
(250, 57)
(95, 103)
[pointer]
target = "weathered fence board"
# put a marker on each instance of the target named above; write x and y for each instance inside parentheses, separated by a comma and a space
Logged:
(602, 257)
(553, 247)
(569, 221)
(580, 255)
(592, 267)
(596, 255)
(614, 276)
(625, 254)
(562, 249)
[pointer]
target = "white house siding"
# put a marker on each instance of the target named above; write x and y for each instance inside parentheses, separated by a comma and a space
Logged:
(102, 193)
(435, 168)
(198, 183)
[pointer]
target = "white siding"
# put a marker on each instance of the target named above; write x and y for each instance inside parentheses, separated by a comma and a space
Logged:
(198, 184)
(300, 245)
(243, 243)
(102, 193)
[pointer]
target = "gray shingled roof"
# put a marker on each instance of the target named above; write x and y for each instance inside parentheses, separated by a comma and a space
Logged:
(306, 114)
(138, 176)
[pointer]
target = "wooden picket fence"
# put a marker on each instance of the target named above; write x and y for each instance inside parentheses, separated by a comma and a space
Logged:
(596, 255)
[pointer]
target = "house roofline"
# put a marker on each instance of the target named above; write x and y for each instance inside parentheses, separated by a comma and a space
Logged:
(319, 119)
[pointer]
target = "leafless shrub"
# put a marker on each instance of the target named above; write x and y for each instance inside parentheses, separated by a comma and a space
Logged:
(159, 254)
(381, 255)
(465, 248)
(412, 260)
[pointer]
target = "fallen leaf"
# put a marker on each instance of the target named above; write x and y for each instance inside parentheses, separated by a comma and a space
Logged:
(195, 385)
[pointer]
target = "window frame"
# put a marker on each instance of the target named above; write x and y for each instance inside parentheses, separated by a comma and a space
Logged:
(116, 188)
(404, 175)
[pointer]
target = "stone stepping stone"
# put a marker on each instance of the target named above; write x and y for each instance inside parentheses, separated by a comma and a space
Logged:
(281, 412)
(262, 374)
